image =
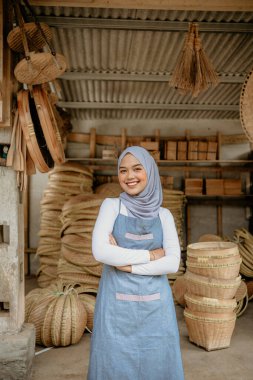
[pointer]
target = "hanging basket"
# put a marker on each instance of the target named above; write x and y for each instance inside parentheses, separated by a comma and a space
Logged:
(35, 140)
(246, 101)
(48, 124)
(35, 37)
(40, 68)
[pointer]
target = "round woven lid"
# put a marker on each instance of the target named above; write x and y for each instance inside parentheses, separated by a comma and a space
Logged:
(35, 39)
(246, 102)
(40, 68)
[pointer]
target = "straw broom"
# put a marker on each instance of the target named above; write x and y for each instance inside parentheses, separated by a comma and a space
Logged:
(193, 72)
(205, 74)
(182, 77)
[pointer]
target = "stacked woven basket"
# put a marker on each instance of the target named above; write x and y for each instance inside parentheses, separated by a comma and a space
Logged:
(77, 264)
(212, 281)
(64, 181)
(174, 200)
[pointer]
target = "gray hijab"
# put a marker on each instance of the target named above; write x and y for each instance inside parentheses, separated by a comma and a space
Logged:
(147, 203)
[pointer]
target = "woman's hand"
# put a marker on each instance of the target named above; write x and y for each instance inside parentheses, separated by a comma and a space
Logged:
(156, 254)
(126, 268)
(112, 240)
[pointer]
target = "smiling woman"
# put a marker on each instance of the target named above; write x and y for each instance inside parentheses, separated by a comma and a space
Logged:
(135, 334)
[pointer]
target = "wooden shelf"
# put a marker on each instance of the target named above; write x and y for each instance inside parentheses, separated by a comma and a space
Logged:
(99, 164)
(242, 200)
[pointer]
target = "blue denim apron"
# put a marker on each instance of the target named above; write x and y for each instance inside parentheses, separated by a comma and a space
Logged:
(135, 335)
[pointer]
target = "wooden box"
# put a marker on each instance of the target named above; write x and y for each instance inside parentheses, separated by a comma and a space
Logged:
(171, 150)
(150, 145)
(193, 186)
(193, 150)
(202, 150)
(167, 182)
(182, 150)
(211, 150)
(214, 187)
(232, 186)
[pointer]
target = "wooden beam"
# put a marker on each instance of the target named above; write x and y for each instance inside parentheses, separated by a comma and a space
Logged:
(190, 5)
(148, 25)
(148, 106)
(223, 77)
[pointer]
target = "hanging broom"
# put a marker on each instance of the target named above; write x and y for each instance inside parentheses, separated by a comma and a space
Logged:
(183, 75)
(204, 71)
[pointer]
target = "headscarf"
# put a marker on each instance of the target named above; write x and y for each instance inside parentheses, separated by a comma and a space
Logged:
(147, 203)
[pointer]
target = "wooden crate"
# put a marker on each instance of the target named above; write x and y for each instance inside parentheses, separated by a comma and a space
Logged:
(202, 150)
(171, 150)
(167, 182)
(150, 145)
(214, 187)
(182, 150)
(211, 150)
(232, 186)
(193, 186)
(193, 150)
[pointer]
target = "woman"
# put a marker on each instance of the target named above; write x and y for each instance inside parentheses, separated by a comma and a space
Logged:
(135, 335)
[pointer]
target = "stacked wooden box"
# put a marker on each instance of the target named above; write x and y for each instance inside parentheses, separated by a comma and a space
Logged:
(190, 150)
(152, 147)
(223, 186)
(193, 186)
(212, 279)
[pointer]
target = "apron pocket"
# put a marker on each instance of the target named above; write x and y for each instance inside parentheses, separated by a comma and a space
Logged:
(139, 315)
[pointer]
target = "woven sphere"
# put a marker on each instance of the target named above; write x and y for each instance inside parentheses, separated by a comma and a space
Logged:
(57, 313)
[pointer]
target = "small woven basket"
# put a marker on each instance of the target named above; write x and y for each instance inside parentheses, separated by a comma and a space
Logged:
(210, 331)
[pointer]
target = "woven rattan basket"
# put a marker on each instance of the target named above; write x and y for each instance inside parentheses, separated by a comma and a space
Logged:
(209, 305)
(217, 270)
(212, 249)
(35, 38)
(179, 289)
(210, 331)
(210, 287)
(246, 101)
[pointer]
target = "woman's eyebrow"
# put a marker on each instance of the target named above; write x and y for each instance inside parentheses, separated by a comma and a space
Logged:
(134, 166)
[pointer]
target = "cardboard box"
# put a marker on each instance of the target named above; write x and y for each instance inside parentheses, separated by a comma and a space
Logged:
(211, 150)
(150, 145)
(193, 150)
(232, 186)
(171, 150)
(193, 186)
(214, 187)
(202, 150)
(182, 150)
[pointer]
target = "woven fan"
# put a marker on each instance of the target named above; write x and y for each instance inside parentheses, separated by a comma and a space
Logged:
(36, 67)
(193, 72)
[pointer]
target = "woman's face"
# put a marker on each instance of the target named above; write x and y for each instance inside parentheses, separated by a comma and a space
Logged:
(132, 175)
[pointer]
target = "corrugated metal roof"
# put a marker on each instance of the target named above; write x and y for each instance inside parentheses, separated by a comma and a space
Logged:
(145, 53)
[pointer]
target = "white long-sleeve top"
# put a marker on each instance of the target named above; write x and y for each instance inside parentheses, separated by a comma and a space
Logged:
(139, 259)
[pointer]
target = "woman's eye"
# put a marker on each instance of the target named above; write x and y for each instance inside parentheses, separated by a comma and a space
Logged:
(122, 171)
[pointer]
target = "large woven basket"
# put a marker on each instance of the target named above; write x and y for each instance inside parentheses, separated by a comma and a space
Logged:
(216, 270)
(210, 287)
(246, 101)
(209, 305)
(212, 249)
(210, 331)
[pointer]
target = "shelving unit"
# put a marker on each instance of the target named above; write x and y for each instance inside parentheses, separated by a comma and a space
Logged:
(185, 168)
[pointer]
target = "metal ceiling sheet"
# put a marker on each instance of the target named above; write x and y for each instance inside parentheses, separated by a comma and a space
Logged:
(145, 52)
